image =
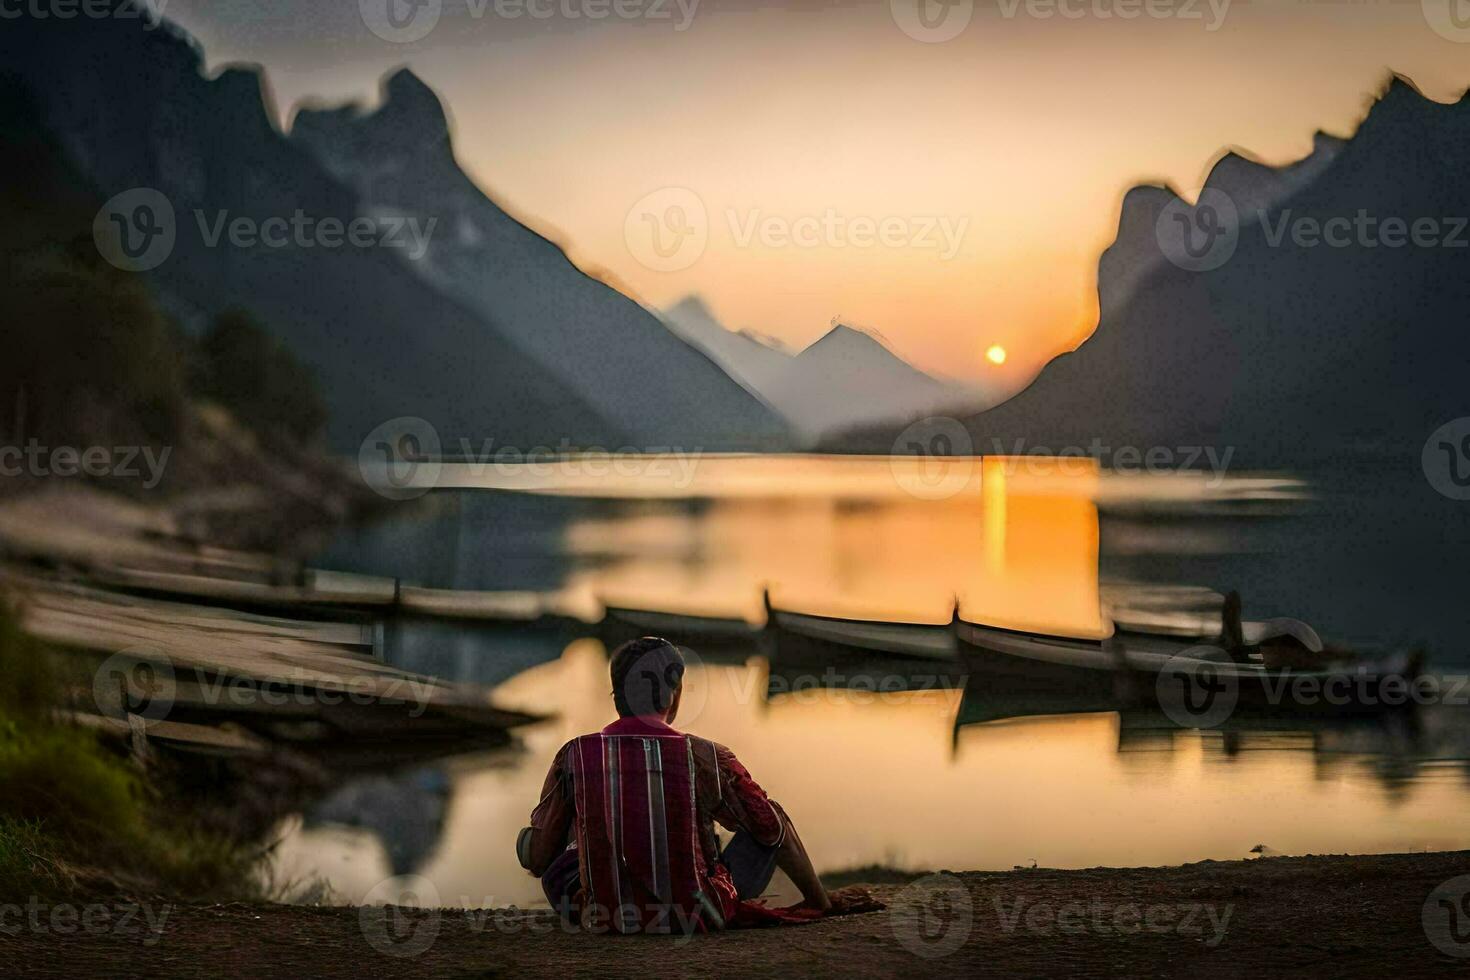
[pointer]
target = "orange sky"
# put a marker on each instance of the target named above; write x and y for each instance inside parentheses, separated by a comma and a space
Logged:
(1022, 132)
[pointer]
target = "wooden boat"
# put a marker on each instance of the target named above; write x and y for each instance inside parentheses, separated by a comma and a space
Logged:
(811, 637)
(1128, 666)
(700, 633)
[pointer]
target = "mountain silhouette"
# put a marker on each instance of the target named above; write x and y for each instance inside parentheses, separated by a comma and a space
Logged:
(612, 352)
(848, 378)
(134, 109)
(1290, 354)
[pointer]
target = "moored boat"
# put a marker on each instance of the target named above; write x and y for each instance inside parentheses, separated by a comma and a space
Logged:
(809, 636)
(1141, 668)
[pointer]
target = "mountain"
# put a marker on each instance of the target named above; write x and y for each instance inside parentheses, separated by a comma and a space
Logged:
(1252, 188)
(846, 380)
(133, 108)
(1291, 350)
(612, 352)
(750, 360)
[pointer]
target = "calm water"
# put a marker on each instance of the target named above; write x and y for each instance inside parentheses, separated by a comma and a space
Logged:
(908, 778)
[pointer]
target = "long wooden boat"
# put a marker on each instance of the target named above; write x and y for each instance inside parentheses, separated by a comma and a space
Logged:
(816, 637)
(703, 634)
(1128, 667)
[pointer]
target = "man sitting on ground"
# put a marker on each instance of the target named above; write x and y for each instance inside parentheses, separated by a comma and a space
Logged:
(624, 839)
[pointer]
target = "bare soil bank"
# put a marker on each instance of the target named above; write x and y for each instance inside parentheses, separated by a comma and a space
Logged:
(1333, 916)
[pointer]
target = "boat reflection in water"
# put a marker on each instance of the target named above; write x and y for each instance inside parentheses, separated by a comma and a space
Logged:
(895, 762)
(888, 761)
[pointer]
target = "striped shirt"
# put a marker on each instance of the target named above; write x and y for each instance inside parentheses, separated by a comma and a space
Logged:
(640, 800)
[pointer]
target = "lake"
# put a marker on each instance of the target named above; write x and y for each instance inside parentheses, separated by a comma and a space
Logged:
(886, 764)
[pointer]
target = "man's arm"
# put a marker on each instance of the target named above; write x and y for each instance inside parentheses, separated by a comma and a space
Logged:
(743, 805)
(540, 843)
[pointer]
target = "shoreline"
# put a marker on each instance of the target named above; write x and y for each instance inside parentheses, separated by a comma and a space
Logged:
(1347, 915)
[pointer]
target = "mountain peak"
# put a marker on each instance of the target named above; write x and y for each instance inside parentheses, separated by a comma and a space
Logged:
(409, 101)
(841, 336)
(691, 305)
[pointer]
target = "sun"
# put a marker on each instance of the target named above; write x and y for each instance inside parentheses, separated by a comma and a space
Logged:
(996, 354)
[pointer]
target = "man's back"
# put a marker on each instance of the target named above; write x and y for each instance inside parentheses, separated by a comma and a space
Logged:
(623, 837)
(637, 829)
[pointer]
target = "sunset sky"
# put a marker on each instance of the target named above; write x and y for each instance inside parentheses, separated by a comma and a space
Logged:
(1019, 135)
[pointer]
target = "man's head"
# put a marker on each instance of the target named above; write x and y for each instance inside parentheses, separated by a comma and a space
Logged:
(647, 678)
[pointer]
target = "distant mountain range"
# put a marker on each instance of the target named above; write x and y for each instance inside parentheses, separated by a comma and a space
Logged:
(847, 379)
(494, 335)
(1291, 350)
(617, 357)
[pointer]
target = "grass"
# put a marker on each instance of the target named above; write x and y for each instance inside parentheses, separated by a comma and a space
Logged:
(78, 815)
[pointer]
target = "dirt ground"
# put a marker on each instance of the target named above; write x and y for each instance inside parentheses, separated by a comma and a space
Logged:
(1378, 916)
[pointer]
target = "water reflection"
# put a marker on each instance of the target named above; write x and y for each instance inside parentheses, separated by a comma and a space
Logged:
(875, 774)
(888, 762)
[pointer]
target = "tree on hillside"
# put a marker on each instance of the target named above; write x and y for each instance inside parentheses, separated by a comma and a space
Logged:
(253, 375)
